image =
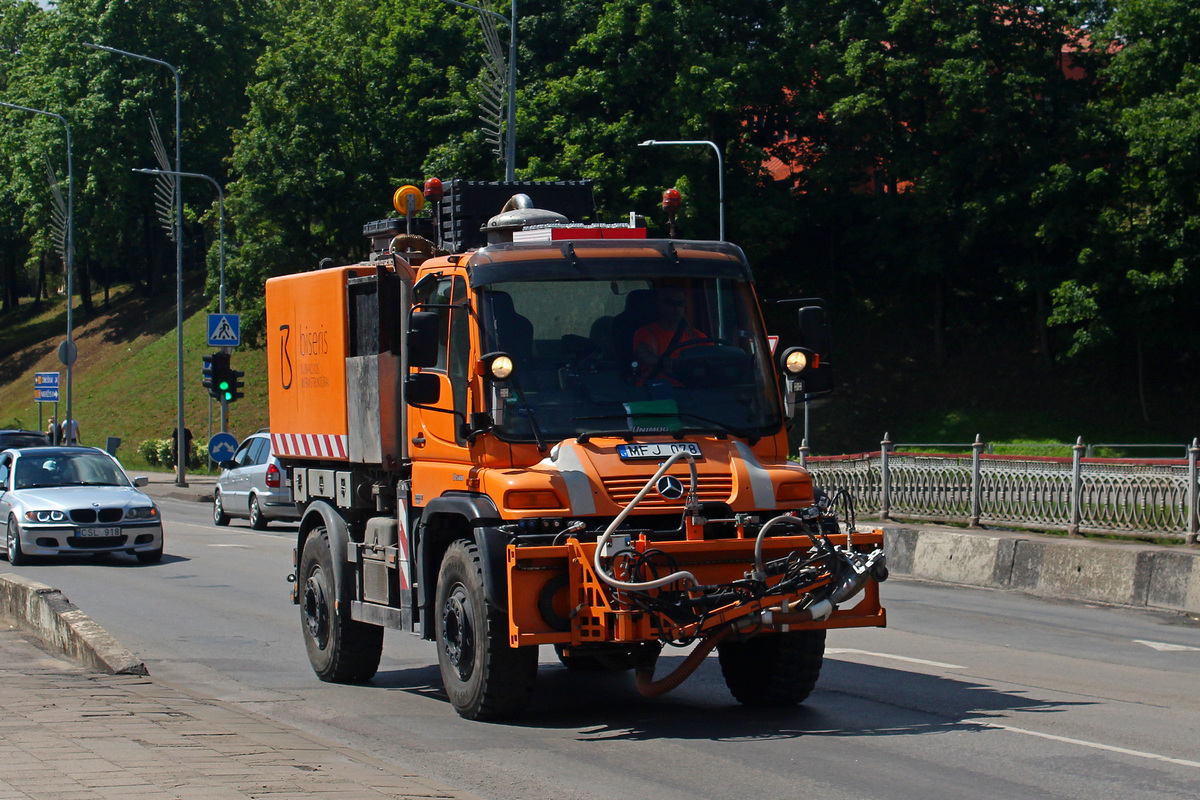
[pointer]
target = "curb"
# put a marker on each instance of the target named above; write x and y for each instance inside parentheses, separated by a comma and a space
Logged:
(45, 613)
(1139, 576)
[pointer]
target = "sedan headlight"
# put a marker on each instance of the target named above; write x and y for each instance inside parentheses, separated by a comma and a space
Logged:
(45, 516)
(146, 512)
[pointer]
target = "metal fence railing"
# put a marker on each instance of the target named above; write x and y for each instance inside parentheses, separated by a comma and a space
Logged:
(1140, 498)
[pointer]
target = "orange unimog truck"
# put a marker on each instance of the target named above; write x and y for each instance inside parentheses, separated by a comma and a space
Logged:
(480, 458)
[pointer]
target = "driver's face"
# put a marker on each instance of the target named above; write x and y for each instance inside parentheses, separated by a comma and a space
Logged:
(671, 303)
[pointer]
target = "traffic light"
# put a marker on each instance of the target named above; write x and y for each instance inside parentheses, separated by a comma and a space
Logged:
(235, 385)
(216, 373)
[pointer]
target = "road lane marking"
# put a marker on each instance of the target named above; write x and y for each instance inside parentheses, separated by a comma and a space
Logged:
(243, 546)
(834, 651)
(1084, 743)
(1165, 647)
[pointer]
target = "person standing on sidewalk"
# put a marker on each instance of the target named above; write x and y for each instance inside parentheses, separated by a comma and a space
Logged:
(187, 447)
(70, 432)
(52, 430)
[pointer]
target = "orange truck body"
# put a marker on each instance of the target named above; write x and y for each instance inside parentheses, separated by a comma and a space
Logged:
(403, 461)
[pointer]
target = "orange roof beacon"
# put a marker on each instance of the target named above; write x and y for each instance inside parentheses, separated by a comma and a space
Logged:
(480, 460)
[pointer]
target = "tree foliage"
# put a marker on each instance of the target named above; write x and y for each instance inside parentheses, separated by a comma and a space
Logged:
(974, 159)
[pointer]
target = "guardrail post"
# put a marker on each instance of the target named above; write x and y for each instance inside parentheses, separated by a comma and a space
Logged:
(1077, 452)
(885, 489)
(804, 452)
(1193, 518)
(976, 481)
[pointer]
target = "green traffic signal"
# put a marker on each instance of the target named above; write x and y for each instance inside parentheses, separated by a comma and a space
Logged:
(222, 381)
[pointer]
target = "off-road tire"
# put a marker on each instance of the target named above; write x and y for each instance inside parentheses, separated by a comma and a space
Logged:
(483, 676)
(16, 556)
(257, 521)
(773, 670)
(341, 650)
(219, 516)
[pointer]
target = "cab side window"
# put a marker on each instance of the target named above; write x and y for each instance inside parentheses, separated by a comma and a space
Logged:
(460, 346)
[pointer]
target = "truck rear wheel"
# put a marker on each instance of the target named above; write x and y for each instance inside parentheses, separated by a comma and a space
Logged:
(773, 670)
(340, 649)
(484, 677)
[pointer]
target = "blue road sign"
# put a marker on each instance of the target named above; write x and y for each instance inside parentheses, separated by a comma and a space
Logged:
(224, 330)
(45, 387)
(222, 446)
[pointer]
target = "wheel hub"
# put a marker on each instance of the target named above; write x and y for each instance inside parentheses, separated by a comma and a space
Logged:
(316, 610)
(458, 636)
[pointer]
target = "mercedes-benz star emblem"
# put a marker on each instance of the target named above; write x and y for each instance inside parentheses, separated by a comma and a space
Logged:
(669, 487)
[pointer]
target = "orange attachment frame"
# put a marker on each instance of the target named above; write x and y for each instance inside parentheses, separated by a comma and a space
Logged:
(556, 597)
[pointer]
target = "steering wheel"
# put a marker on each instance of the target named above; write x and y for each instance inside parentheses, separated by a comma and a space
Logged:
(660, 365)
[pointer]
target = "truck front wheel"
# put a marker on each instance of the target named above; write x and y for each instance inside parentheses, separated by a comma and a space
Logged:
(340, 649)
(773, 670)
(484, 677)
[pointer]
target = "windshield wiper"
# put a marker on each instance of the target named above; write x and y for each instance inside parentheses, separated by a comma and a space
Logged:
(741, 433)
(723, 428)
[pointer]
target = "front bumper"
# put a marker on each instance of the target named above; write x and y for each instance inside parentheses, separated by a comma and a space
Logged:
(51, 540)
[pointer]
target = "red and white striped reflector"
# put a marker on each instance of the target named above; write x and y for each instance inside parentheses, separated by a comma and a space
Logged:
(310, 445)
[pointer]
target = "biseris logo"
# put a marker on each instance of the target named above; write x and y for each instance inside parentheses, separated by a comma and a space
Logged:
(285, 360)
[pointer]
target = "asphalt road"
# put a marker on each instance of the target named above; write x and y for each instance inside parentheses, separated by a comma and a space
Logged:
(968, 693)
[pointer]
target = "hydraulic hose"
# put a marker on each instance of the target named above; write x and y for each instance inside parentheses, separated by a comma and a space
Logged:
(644, 677)
(612, 526)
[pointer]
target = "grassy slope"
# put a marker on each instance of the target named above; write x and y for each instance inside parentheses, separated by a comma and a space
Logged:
(125, 378)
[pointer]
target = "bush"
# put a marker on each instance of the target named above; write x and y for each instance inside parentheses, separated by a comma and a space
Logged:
(148, 450)
(157, 453)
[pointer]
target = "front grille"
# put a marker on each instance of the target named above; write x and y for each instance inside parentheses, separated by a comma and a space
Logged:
(709, 488)
(95, 542)
(86, 516)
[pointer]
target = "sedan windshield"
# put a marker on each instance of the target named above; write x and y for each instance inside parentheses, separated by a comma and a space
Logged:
(67, 469)
(658, 355)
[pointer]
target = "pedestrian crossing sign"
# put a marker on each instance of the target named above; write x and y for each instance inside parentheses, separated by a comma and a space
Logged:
(224, 330)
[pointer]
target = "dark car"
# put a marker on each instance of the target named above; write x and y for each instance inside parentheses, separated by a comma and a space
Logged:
(254, 486)
(11, 439)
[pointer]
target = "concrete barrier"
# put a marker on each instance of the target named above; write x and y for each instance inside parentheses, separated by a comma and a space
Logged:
(1088, 570)
(44, 612)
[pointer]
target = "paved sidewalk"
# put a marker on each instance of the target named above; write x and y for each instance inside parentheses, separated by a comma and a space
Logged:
(162, 484)
(69, 733)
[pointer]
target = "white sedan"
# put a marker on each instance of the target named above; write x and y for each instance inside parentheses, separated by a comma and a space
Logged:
(74, 500)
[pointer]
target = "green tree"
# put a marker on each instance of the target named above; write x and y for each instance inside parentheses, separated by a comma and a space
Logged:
(935, 122)
(1135, 287)
(348, 101)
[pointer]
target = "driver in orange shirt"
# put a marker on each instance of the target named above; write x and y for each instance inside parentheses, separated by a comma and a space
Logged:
(661, 339)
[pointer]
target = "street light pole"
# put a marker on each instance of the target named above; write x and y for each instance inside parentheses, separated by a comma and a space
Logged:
(70, 255)
(221, 227)
(720, 170)
(182, 458)
(510, 139)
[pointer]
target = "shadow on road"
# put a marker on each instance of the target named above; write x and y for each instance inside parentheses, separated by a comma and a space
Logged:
(850, 700)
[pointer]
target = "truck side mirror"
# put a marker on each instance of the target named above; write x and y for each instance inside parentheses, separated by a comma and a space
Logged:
(422, 338)
(816, 335)
(422, 388)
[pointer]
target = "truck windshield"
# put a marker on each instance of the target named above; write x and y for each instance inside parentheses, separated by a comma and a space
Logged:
(661, 355)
